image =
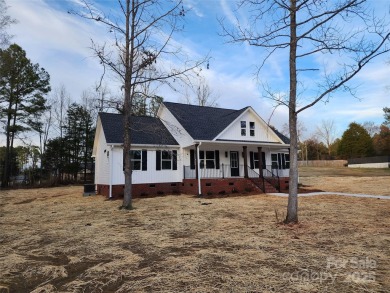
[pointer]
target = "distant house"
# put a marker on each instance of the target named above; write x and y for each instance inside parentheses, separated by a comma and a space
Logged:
(191, 149)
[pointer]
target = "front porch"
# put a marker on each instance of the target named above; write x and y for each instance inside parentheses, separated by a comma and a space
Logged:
(269, 180)
(225, 171)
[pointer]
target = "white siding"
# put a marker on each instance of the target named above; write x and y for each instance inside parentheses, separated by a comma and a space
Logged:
(101, 159)
(262, 131)
(151, 175)
(174, 127)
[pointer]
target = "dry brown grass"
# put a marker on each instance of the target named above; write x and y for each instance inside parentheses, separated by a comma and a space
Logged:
(361, 181)
(56, 240)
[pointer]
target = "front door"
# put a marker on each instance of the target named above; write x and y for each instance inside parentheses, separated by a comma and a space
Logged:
(234, 164)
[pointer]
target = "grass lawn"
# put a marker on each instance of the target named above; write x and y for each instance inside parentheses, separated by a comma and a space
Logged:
(343, 172)
(349, 180)
(56, 240)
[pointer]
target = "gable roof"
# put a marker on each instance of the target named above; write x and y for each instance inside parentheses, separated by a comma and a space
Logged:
(201, 122)
(146, 130)
(284, 138)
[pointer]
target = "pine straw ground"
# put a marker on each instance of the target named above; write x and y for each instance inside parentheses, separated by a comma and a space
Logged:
(56, 240)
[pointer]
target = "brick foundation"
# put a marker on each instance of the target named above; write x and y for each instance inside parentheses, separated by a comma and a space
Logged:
(141, 190)
(189, 186)
(218, 186)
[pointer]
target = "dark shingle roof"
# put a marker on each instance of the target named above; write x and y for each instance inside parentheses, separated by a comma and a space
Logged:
(146, 130)
(203, 123)
(284, 138)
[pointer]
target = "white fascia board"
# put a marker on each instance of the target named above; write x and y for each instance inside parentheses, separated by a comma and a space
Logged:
(160, 109)
(157, 146)
(273, 145)
(146, 145)
(98, 130)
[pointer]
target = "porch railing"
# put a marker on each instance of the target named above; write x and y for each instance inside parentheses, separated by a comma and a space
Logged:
(225, 172)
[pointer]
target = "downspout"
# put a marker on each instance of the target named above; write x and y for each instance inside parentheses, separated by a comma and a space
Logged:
(198, 169)
(111, 170)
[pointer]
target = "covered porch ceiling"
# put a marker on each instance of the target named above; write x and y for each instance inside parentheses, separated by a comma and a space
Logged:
(226, 143)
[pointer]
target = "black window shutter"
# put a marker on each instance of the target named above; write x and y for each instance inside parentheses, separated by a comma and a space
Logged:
(263, 159)
(174, 160)
(283, 161)
(216, 159)
(192, 159)
(252, 160)
(144, 160)
(123, 161)
(158, 160)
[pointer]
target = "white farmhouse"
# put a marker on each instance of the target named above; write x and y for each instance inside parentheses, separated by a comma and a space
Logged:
(191, 149)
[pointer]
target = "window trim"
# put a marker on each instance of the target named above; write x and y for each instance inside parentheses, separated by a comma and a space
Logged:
(252, 128)
(203, 160)
(254, 163)
(143, 161)
(166, 160)
(243, 127)
(159, 160)
(281, 161)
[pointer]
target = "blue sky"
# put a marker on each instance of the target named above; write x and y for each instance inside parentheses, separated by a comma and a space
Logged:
(60, 43)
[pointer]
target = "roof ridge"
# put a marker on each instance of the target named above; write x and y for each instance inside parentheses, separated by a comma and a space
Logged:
(212, 107)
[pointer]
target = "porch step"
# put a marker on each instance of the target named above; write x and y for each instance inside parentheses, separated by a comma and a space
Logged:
(269, 188)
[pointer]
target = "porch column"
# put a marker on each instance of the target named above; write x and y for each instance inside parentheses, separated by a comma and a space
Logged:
(196, 161)
(259, 153)
(198, 170)
(245, 148)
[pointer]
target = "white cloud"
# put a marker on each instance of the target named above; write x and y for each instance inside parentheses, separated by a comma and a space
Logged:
(227, 11)
(59, 42)
(194, 7)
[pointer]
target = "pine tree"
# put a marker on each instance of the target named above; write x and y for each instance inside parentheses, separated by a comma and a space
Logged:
(22, 89)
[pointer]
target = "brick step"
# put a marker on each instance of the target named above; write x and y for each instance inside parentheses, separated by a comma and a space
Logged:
(269, 188)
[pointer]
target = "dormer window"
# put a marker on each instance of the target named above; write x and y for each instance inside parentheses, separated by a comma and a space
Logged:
(243, 128)
(252, 128)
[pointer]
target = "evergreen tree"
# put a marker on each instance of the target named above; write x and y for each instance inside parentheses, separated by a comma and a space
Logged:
(53, 160)
(387, 115)
(355, 143)
(22, 89)
(381, 141)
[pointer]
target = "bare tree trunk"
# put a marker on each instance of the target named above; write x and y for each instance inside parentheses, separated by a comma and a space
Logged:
(292, 206)
(129, 51)
(7, 160)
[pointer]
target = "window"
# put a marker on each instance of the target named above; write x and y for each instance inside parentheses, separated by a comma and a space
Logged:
(254, 160)
(166, 160)
(138, 160)
(243, 128)
(287, 159)
(280, 161)
(274, 161)
(252, 128)
(209, 161)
